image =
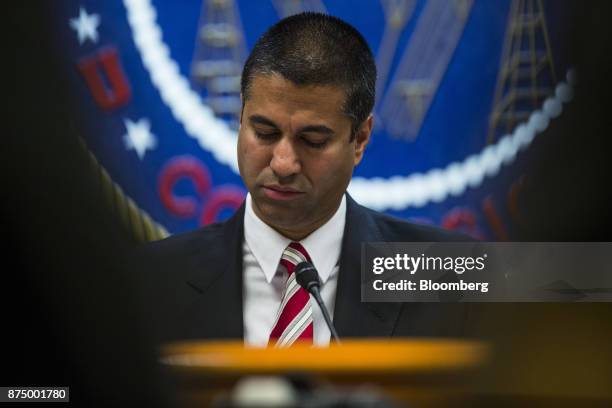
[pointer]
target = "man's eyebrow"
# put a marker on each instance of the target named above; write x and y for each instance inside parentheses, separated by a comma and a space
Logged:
(317, 129)
(261, 120)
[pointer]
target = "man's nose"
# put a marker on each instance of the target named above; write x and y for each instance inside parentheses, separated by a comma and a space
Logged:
(285, 161)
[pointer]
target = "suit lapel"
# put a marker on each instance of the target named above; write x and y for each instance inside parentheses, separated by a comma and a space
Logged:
(353, 318)
(216, 275)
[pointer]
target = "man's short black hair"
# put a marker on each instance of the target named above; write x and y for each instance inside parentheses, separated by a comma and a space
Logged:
(317, 49)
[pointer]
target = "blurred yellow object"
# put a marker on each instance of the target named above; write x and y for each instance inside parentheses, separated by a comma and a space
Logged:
(425, 372)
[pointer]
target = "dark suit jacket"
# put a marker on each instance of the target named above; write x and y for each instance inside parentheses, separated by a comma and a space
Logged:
(194, 282)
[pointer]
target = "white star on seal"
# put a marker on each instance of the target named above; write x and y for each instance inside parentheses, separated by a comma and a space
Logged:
(86, 26)
(139, 136)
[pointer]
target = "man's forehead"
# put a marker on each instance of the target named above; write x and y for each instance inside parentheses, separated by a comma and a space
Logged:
(271, 83)
(276, 97)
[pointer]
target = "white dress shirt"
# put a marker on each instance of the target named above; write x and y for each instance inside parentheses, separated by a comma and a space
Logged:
(264, 281)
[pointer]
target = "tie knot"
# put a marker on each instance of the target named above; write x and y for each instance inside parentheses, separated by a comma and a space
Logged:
(294, 254)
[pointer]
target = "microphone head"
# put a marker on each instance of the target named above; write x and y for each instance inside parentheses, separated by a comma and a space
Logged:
(307, 276)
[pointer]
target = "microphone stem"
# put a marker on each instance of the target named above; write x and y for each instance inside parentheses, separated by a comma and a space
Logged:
(315, 292)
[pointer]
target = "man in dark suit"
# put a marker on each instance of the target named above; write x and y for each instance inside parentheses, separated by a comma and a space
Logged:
(308, 93)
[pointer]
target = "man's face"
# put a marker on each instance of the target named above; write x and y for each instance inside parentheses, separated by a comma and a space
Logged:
(294, 152)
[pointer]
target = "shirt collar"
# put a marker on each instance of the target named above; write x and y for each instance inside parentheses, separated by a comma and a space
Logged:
(267, 245)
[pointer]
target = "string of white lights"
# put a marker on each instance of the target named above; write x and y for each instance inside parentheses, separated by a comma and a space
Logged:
(419, 189)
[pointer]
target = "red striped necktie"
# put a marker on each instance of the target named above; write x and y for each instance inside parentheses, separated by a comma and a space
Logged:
(294, 320)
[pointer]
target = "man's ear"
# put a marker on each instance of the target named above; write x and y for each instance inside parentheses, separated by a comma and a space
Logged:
(362, 137)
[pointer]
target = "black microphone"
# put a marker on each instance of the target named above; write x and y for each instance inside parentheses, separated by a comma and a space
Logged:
(307, 277)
